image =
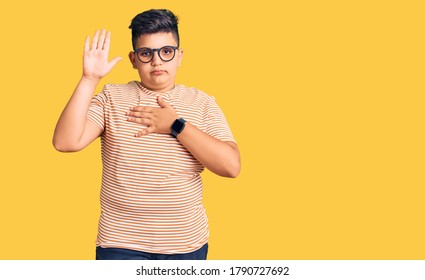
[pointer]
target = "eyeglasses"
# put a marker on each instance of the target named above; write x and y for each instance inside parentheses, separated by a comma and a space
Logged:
(166, 53)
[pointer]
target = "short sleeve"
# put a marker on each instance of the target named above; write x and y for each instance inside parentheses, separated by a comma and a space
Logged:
(96, 112)
(216, 123)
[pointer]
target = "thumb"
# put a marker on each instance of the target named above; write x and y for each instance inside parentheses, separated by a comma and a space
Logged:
(161, 102)
(114, 61)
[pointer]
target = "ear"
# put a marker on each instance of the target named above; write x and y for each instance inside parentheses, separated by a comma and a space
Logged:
(132, 57)
(181, 52)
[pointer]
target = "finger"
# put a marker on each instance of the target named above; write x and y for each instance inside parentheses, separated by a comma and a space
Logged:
(114, 61)
(87, 44)
(150, 130)
(107, 41)
(144, 132)
(134, 119)
(101, 39)
(142, 109)
(144, 121)
(141, 133)
(139, 114)
(162, 102)
(95, 39)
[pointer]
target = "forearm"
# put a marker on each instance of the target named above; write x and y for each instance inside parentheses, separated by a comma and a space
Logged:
(71, 124)
(221, 158)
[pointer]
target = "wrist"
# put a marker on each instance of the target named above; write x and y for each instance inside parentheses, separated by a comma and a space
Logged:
(90, 79)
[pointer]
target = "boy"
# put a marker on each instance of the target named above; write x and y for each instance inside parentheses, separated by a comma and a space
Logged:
(156, 138)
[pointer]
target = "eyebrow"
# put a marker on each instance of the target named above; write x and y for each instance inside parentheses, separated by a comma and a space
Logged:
(158, 47)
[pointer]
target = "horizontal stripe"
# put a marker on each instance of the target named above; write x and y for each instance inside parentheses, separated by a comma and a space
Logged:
(151, 195)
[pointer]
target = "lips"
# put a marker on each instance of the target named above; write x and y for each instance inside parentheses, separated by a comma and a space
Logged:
(158, 72)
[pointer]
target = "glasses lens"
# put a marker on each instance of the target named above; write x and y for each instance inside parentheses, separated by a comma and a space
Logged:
(145, 54)
(166, 53)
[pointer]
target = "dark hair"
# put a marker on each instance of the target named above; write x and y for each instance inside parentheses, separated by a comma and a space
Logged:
(154, 21)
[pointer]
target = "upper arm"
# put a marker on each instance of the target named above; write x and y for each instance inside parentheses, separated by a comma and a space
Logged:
(216, 123)
(90, 133)
(95, 120)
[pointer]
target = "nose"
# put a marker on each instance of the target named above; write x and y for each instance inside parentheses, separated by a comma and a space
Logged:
(156, 60)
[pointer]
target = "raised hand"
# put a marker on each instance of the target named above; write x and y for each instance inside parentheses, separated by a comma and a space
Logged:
(95, 58)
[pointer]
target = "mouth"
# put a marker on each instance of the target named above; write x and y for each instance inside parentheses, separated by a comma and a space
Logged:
(158, 72)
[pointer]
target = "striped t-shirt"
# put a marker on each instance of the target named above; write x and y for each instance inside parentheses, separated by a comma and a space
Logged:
(151, 195)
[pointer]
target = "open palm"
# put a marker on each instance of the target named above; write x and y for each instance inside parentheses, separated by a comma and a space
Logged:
(95, 59)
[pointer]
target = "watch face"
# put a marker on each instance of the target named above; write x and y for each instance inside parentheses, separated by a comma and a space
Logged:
(177, 126)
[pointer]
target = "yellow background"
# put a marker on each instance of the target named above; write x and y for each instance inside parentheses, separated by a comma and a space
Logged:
(325, 99)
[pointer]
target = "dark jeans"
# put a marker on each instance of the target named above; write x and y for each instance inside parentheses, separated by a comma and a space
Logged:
(127, 254)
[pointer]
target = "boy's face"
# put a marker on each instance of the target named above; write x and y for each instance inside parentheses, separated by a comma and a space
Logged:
(157, 75)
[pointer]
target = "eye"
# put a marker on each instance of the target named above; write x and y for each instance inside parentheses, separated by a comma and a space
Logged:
(167, 51)
(145, 52)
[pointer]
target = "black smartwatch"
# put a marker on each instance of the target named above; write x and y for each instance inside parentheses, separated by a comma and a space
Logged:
(178, 126)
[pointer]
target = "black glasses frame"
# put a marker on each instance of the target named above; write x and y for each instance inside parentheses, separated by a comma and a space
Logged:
(153, 53)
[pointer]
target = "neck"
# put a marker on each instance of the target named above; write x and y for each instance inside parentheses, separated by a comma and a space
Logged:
(159, 89)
